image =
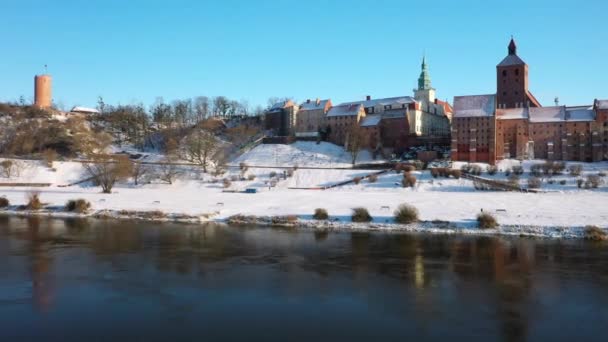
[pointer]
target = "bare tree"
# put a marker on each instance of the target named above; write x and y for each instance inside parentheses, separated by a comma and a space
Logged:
(199, 147)
(357, 140)
(201, 108)
(10, 168)
(106, 170)
(138, 172)
(168, 171)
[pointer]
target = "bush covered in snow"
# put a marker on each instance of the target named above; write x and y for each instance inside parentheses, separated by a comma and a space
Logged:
(361, 215)
(320, 214)
(409, 180)
(251, 177)
(595, 233)
(80, 206)
(357, 180)
(33, 201)
(373, 178)
(486, 221)
(575, 169)
(492, 170)
(534, 183)
(518, 170)
(593, 182)
(406, 214)
(227, 183)
(4, 202)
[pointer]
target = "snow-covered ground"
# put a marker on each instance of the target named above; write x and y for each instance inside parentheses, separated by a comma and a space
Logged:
(301, 153)
(453, 200)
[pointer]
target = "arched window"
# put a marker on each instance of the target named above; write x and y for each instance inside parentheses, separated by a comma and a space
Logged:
(516, 72)
(504, 73)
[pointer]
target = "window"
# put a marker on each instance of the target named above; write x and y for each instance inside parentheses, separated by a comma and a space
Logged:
(516, 72)
(504, 73)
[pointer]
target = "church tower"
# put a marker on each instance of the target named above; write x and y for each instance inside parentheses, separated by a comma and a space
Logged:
(512, 81)
(425, 92)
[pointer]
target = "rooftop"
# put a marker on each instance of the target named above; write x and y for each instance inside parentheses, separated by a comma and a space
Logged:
(345, 110)
(474, 105)
(314, 104)
(383, 101)
(371, 120)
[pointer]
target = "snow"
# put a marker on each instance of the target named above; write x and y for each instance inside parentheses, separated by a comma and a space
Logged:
(474, 105)
(301, 153)
(453, 200)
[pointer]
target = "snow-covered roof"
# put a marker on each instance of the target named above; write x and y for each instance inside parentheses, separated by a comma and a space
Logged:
(314, 105)
(511, 113)
(602, 104)
(79, 109)
(384, 101)
(474, 105)
(582, 113)
(371, 120)
(280, 105)
(345, 110)
(511, 60)
(547, 114)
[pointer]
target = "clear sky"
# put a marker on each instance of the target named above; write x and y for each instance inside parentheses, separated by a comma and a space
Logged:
(134, 51)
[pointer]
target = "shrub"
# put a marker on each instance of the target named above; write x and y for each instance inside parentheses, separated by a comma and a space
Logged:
(227, 183)
(373, 178)
(465, 168)
(33, 201)
(536, 170)
(492, 170)
(486, 221)
(406, 214)
(508, 172)
(534, 183)
(514, 180)
(290, 172)
(357, 180)
(518, 170)
(320, 214)
(49, 155)
(562, 182)
(601, 174)
(456, 173)
(361, 215)
(10, 168)
(243, 166)
(409, 180)
(80, 206)
(551, 181)
(575, 169)
(435, 172)
(593, 181)
(272, 174)
(580, 182)
(153, 215)
(408, 168)
(558, 167)
(475, 170)
(595, 233)
(251, 177)
(4, 202)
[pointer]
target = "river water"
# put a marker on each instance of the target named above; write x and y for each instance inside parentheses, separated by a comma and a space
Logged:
(87, 280)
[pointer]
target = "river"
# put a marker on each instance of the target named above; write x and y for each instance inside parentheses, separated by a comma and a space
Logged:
(87, 280)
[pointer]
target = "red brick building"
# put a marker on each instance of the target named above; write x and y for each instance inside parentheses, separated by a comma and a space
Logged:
(513, 124)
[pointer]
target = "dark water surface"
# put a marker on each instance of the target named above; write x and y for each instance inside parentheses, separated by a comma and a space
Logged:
(107, 280)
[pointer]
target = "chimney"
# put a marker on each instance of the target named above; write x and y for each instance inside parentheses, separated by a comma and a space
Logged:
(367, 98)
(318, 101)
(308, 101)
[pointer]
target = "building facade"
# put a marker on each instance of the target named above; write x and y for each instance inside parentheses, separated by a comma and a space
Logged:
(311, 117)
(513, 124)
(280, 119)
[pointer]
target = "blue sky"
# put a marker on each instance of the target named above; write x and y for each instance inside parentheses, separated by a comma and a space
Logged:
(134, 51)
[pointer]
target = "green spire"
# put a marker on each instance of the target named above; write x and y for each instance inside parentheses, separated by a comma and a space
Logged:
(424, 81)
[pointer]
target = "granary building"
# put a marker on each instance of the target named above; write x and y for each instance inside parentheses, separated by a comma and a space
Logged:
(513, 124)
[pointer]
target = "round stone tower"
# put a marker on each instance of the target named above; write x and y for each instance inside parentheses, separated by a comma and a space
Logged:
(43, 96)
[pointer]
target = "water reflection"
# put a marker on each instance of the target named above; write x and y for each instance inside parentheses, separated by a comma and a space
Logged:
(405, 284)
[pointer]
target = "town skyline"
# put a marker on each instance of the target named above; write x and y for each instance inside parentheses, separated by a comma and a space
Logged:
(139, 62)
